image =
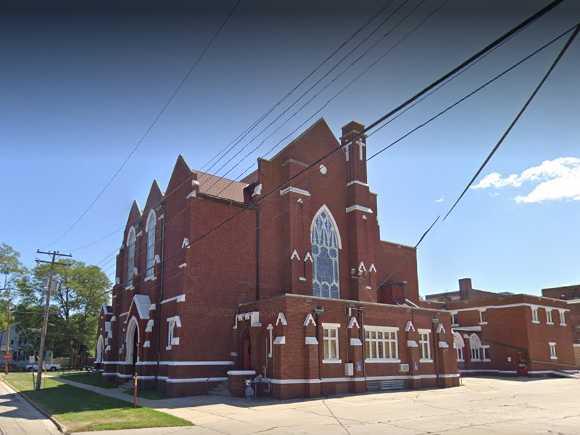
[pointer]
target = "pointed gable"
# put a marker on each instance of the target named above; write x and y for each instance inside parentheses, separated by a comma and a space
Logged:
(313, 143)
(154, 198)
(179, 176)
(134, 216)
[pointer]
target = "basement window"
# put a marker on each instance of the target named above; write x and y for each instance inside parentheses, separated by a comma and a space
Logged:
(553, 354)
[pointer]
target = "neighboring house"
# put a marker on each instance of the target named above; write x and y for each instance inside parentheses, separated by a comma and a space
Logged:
(295, 285)
(570, 294)
(508, 333)
(18, 344)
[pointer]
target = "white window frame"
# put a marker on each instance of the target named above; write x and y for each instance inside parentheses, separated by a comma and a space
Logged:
(476, 353)
(454, 318)
(482, 319)
(425, 345)
(381, 344)
(535, 314)
(172, 340)
(553, 351)
(270, 340)
(549, 316)
(562, 317)
(460, 356)
(150, 229)
(332, 341)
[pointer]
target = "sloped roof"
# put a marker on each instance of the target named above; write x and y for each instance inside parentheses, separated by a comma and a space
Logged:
(213, 185)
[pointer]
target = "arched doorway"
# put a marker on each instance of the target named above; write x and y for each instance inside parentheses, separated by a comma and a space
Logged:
(132, 342)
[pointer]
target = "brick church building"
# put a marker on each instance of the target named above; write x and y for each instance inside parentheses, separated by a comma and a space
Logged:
(294, 289)
(571, 296)
(508, 333)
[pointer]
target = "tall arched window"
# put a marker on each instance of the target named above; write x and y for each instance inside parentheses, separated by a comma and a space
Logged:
(150, 230)
(130, 256)
(325, 240)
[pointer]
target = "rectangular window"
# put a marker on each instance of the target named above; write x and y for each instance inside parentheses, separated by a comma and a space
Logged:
(549, 318)
(562, 317)
(381, 344)
(454, 320)
(483, 317)
(425, 345)
(553, 354)
(535, 316)
(330, 342)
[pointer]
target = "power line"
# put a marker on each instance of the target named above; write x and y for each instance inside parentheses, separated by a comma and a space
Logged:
(409, 101)
(467, 96)
(316, 83)
(153, 124)
(343, 89)
(343, 44)
(516, 119)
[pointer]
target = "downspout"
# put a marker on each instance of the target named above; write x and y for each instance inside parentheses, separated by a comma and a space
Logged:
(161, 290)
(257, 207)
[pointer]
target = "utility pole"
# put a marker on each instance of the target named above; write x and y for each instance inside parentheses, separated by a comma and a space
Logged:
(52, 262)
(7, 351)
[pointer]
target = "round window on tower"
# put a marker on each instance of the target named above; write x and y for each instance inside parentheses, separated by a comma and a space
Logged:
(323, 169)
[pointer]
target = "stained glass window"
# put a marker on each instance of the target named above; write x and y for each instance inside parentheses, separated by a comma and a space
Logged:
(324, 239)
(130, 256)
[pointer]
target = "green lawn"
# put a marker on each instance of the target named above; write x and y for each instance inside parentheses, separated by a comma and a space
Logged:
(95, 379)
(81, 410)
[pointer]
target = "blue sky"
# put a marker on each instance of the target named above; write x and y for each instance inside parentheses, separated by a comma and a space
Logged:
(79, 88)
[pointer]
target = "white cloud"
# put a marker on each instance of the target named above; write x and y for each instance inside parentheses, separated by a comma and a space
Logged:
(440, 199)
(557, 179)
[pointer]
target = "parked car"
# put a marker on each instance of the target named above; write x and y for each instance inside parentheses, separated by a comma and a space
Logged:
(51, 367)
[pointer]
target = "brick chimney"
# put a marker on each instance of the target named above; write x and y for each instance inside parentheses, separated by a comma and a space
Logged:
(465, 288)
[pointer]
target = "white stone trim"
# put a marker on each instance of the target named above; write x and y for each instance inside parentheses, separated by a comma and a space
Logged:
(294, 255)
(521, 304)
(355, 342)
(382, 361)
(178, 298)
(281, 339)
(331, 325)
(350, 183)
(291, 189)
(353, 322)
(310, 340)
(412, 344)
(331, 361)
(409, 327)
(309, 319)
(357, 207)
(241, 372)
(182, 265)
(381, 328)
(281, 319)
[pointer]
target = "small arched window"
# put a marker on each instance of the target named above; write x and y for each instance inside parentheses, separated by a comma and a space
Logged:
(475, 346)
(326, 244)
(130, 256)
(150, 230)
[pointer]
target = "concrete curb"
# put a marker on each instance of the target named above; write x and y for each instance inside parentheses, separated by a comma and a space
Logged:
(61, 428)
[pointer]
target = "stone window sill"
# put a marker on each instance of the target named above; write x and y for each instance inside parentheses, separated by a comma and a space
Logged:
(331, 361)
(382, 360)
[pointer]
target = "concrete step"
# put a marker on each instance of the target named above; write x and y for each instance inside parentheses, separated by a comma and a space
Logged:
(220, 389)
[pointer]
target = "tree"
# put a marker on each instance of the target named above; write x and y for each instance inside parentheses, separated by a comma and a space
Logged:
(79, 293)
(11, 268)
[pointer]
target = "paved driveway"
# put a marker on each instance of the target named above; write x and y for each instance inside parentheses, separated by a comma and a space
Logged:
(17, 417)
(480, 406)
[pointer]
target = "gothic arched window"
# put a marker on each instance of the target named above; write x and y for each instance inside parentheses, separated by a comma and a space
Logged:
(130, 256)
(325, 241)
(150, 229)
